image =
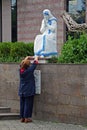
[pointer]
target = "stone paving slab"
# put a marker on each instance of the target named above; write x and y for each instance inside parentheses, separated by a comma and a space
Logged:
(37, 125)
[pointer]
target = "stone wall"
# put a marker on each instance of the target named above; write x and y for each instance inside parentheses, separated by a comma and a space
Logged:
(64, 92)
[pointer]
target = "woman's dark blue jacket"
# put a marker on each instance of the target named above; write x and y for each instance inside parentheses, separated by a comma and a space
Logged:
(27, 82)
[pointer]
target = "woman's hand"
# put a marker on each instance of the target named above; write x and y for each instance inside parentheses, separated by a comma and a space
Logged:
(36, 58)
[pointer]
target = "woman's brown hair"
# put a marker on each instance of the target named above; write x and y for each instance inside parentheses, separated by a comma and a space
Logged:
(25, 64)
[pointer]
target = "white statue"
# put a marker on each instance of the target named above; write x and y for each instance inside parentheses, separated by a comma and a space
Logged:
(45, 45)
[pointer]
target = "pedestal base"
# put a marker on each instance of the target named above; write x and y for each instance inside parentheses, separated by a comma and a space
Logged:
(40, 60)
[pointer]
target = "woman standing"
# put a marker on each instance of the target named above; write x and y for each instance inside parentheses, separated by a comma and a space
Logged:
(27, 88)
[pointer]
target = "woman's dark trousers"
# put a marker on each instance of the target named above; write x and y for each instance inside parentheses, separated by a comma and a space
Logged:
(26, 106)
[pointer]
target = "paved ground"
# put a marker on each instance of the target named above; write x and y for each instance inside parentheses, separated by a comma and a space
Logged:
(37, 125)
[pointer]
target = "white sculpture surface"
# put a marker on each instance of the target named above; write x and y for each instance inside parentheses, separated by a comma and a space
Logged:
(45, 44)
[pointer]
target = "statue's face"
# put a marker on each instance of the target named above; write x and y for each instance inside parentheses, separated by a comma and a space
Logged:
(46, 17)
(46, 14)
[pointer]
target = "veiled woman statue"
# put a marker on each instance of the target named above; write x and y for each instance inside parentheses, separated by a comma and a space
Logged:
(45, 44)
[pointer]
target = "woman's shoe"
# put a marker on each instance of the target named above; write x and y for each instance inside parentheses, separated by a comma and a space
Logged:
(22, 120)
(28, 120)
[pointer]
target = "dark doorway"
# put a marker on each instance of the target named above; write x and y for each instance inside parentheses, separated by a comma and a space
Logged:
(14, 19)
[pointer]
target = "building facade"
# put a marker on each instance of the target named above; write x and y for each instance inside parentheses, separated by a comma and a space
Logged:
(5, 20)
(28, 18)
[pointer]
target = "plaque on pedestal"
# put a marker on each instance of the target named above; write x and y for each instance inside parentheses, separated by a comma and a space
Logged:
(37, 74)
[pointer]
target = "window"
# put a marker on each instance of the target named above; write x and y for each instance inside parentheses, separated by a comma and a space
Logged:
(0, 20)
(14, 19)
(76, 9)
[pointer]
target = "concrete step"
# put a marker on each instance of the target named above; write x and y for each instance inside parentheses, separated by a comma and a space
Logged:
(5, 109)
(9, 116)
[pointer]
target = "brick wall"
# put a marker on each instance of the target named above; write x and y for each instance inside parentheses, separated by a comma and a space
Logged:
(30, 17)
(64, 92)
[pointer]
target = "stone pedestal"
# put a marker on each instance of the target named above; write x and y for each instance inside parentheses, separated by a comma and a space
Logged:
(41, 59)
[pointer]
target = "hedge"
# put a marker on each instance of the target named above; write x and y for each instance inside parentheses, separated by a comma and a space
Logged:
(14, 52)
(74, 50)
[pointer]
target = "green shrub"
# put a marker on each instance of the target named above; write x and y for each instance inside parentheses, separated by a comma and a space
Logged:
(53, 59)
(4, 49)
(14, 52)
(30, 49)
(74, 50)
